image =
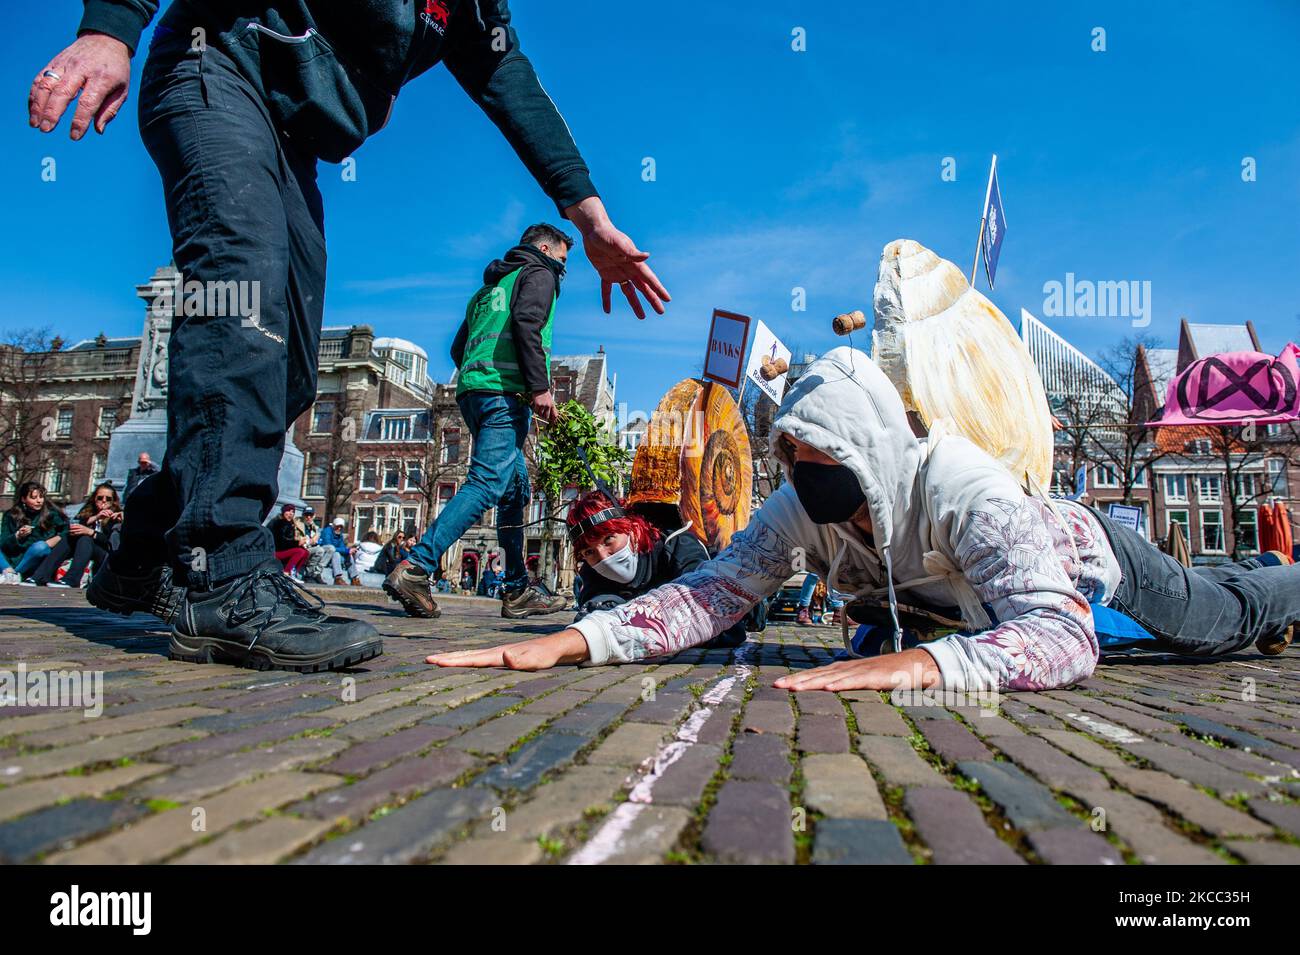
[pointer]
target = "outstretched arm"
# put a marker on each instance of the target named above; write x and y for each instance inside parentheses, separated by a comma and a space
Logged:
(687, 612)
(483, 55)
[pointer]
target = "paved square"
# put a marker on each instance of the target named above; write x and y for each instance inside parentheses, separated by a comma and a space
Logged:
(694, 758)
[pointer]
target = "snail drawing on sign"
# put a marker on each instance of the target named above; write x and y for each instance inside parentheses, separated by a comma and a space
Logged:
(696, 457)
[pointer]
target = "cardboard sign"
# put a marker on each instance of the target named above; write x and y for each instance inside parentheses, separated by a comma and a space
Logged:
(767, 347)
(1126, 515)
(728, 336)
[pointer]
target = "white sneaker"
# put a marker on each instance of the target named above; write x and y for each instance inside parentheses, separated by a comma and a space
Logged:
(10, 576)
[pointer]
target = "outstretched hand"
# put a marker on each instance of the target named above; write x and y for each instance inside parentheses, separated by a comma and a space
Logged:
(909, 670)
(567, 646)
(616, 258)
(95, 65)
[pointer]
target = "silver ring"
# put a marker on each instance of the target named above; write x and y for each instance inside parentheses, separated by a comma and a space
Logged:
(52, 75)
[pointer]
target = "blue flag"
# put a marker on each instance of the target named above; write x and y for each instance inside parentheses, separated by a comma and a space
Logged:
(995, 227)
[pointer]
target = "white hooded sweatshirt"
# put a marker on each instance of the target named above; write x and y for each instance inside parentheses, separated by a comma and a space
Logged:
(950, 528)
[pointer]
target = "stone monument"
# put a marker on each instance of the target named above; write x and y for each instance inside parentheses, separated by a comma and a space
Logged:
(146, 429)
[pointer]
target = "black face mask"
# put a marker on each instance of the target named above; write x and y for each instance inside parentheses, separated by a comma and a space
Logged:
(830, 493)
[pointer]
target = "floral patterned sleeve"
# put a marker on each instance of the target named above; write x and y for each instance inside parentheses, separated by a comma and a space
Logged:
(697, 606)
(1043, 638)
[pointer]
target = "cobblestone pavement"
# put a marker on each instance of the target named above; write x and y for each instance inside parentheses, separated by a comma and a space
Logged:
(690, 759)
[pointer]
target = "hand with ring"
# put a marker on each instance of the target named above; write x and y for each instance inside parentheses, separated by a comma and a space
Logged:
(95, 65)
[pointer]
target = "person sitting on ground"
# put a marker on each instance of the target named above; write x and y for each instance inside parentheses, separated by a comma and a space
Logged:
(367, 553)
(88, 540)
(323, 562)
(877, 511)
(289, 549)
(333, 536)
(621, 555)
(391, 555)
(30, 530)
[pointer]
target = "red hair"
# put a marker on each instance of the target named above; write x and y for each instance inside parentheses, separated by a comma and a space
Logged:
(643, 533)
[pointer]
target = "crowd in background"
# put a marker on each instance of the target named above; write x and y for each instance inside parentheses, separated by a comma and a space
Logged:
(37, 539)
(40, 546)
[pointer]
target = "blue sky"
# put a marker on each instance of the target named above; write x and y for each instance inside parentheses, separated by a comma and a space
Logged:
(775, 169)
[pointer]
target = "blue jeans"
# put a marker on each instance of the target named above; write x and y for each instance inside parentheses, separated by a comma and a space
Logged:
(809, 585)
(31, 558)
(806, 592)
(1201, 611)
(498, 477)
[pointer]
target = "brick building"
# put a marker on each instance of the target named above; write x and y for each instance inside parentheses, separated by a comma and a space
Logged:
(1206, 479)
(58, 407)
(383, 445)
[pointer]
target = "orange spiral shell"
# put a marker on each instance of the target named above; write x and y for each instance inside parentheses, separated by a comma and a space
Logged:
(696, 455)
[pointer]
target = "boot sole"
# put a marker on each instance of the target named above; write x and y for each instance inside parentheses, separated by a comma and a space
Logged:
(207, 650)
(409, 604)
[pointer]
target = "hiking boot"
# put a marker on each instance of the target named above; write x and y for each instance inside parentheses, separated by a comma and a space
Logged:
(265, 621)
(412, 587)
(804, 619)
(151, 593)
(1271, 646)
(530, 602)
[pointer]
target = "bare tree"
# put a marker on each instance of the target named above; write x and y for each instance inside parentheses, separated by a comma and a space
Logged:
(28, 407)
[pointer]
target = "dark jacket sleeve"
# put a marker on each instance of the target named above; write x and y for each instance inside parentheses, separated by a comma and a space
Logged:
(8, 540)
(483, 54)
(123, 19)
(684, 553)
(591, 584)
(533, 296)
(58, 525)
(284, 534)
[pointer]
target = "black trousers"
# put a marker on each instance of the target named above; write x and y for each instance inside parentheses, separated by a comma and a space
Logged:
(243, 207)
(82, 549)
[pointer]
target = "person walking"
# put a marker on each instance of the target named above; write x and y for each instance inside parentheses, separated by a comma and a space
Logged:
(238, 104)
(503, 356)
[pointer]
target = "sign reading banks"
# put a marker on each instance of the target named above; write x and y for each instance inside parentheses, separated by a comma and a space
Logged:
(728, 337)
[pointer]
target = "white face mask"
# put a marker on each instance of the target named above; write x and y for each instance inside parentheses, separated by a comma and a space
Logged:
(619, 566)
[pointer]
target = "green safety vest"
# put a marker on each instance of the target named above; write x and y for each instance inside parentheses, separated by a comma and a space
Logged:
(490, 362)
